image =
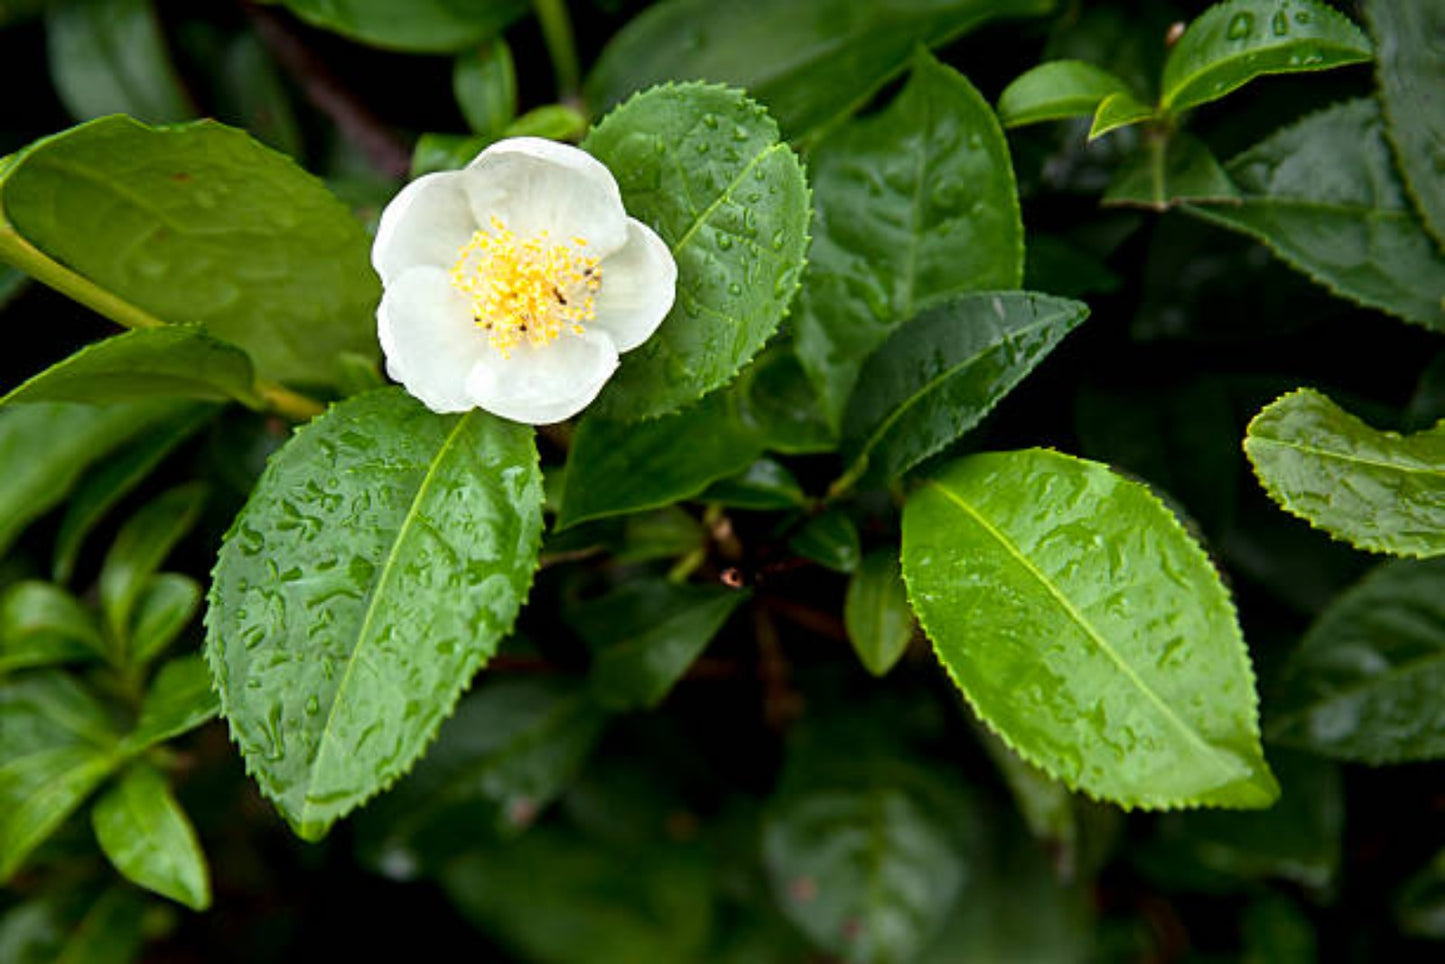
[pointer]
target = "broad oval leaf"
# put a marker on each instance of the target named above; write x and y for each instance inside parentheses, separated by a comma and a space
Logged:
(148, 838)
(1087, 629)
(876, 613)
(911, 205)
(1056, 90)
(1407, 37)
(423, 26)
(1365, 682)
(381, 558)
(198, 223)
(704, 166)
(831, 540)
(812, 62)
(484, 82)
(110, 57)
(1234, 42)
(1324, 196)
(938, 375)
(1379, 491)
(177, 361)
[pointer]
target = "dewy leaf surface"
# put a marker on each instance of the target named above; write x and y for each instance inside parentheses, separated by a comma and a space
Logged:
(1410, 52)
(1087, 629)
(1379, 491)
(911, 205)
(1325, 197)
(383, 555)
(1365, 682)
(812, 62)
(704, 167)
(421, 26)
(198, 223)
(1234, 42)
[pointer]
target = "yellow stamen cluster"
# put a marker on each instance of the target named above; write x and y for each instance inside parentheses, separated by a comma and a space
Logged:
(528, 289)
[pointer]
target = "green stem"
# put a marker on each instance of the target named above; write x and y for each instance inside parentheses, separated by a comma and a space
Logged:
(557, 32)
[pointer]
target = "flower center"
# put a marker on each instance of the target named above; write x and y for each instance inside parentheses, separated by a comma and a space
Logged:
(526, 289)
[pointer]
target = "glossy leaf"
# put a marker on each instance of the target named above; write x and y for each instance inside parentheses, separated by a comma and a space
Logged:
(912, 205)
(148, 838)
(179, 361)
(421, 26)
(196, 223)
(1166, 173)
(812, 62)
(110, 57)
(831, 540)
(138, 551)
(1236, 41)
(1324, 196)
(939, 374)
(1407, 62)
(1120, 109)
(645, 635)
(179, 699)
(165, 607)
(1364, 683)
(485, 84)
(1087, 629)
(385, 552)
(1056, 90)
(704, 167)
(42, 624)
(876, 613)
(1376, 490)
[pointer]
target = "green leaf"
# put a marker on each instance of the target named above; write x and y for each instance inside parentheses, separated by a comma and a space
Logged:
(165, 607)
(876, 613)
(645, 635)
(1364, 683)
(45, 449)
(1086, 629)
(251, 94)
(1378, 491)
(179, 361)
(196, 223)
(1120, 109)
(58, 747)
(445, 152)
(1045, 804)
(1057, 90)
(109, 933)
(705, 168)
(830, 540)
(812, 62)
(764, 485)
(41, 623)
(1407, 65)
(912, 205)
(556, 122)
(1170, 172)
(783, 404)
(110, 57)
(485, 84)
(1420, 908)
(1234, 42)
(419, 26)
(137, 553)
(179, 699)
(384, 553)
(619, 467)
(1324, 196)
(939, 374)
(148, 838)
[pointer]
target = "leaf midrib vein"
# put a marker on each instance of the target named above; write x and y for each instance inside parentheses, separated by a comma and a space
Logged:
(1343, 457)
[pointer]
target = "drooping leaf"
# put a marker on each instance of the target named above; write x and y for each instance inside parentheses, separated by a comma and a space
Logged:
(876, 613)
(831, 540)
(110, 57)
(178, 361)
(137, 553)
(704, 167)
(179, 699)
(1378, 491)
(1364, 683)
(939, 374)
(42, 624)
(196, 223)
(1236, 41)
(484, 82)
(1324, 196)
(1056, 90)
(1170, 172)
(911, 205)
(149, 839)
(1086, 629)
(385, 552)
(165, 607)
(812, 62)
(420, 26)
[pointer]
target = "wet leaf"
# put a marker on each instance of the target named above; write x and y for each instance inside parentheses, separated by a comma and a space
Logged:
(149, 839)
(1408, 68)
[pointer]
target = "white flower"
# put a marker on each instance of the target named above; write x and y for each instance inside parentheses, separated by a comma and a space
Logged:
(513, 284)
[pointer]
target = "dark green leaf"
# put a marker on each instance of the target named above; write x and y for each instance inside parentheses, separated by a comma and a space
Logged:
(705, 168)
(1045, 804)
(422, 26)
(939, 374)
(137, 553)
(1086, 629)
(1120, 109)
(1056, 90)
(165, 607)
(912, 205)
(764, 485)
(783, 404)
(1276, 930)
(1379, 491)
(109, 933)
(812, 62)
(445, 152)
(41, 624)
(876, 613)
(389, 548)
(110, 57)
(1168, 172)
(180, 698)
(665, 533)
(485, 84)
(148, 838)
(250, 94)
(1408, 67)
(1234, 42)
(830, 540)
(1420, 908)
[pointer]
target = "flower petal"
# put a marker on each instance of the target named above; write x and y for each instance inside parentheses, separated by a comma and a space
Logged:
(639, 282)
(539, 386)
(429, 337)
(536, 185)
(427, 223)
